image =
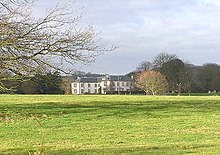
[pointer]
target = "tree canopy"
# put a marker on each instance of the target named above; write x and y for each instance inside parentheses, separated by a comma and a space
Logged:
(31, 45)
(151, 82)
(209, 77)
(144, 66)
(174, 71)
(162, 58)
(182, 76)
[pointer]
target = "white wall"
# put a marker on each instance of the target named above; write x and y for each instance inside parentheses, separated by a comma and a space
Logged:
(81, 88)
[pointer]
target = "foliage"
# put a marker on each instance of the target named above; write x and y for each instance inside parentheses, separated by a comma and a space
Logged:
(27, 87)
(109, 124)
(49, 83)
(7, 82)
(30, 45)
(190, 78)
(183, 76)
(209, 77)
(174, 71)
(152, 82)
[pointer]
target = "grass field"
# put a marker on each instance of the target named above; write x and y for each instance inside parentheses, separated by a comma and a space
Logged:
(109, 124)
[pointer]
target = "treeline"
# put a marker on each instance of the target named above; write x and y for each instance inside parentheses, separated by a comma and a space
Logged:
(48, 83)
(183, 76)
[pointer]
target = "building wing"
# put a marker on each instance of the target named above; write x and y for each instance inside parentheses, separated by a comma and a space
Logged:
(102, 84)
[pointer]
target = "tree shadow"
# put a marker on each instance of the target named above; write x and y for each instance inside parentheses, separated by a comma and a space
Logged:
(165, 149)
(151, 108)
(105, 109)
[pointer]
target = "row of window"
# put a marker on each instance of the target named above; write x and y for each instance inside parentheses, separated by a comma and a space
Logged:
(89, 91)
(89, 85)
(127, 84)
(96, 90)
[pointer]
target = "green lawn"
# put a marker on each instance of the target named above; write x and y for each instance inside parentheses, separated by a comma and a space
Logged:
(110, 124)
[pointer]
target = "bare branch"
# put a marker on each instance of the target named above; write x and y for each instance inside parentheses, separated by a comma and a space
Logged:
(30, 46)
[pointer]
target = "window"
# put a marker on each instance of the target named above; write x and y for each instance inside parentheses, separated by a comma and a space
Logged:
(127, 84)
(96, 91)
(118, 84)
(98, 85)
(82, 91)
(75, 91)
(82, 85)
(95, 85)
(122, 84)
(89, 91)
(75, 85)
(89, 85)
(105, 83)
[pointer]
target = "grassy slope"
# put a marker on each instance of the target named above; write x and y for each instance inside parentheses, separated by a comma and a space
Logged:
(110, 124)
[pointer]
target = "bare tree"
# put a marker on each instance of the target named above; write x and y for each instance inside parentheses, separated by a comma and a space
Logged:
(151, 82)
(162, 58)
(144, 66)
(30, 45)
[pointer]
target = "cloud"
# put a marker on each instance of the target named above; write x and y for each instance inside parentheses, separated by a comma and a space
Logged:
(143, 28)
(211, 2)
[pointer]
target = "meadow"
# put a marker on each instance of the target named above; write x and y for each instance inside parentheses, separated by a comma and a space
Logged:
(109, 124)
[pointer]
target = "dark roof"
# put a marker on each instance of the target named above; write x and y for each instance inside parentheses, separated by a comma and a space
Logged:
(104, 77)
(93, 75)
(89, 79)
(119, 78)
(68, 78)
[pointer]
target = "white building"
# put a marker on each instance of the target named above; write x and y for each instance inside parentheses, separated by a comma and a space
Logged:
(102, 84)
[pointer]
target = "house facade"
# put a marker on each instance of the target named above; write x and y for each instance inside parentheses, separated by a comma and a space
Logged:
(102, 84)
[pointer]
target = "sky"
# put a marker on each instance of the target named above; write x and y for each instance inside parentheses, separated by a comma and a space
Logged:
(144, 28)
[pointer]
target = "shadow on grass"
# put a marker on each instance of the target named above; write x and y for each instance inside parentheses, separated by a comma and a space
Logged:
(169, 149)
(105, 109)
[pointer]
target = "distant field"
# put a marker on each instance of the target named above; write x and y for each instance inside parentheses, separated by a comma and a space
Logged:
(109, 124)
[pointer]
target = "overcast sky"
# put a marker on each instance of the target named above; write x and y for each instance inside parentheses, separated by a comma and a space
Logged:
(144, 28)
